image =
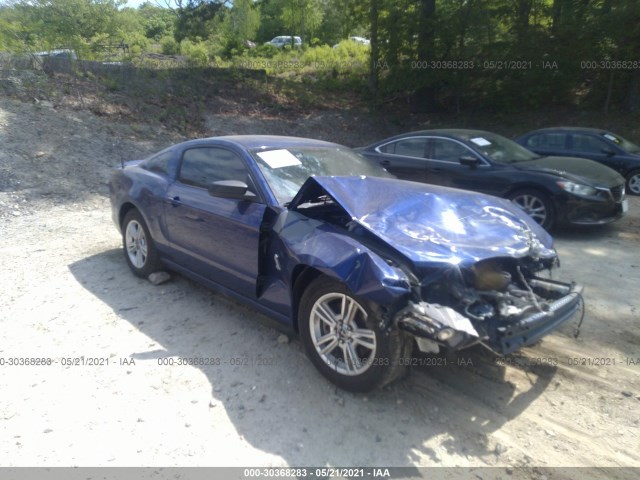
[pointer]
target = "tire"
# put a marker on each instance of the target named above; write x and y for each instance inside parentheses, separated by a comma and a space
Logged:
(139, 249)
(320, 321)
(537, 205)
(633, 183)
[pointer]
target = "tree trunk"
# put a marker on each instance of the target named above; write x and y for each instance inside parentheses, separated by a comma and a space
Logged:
(424, 98)
(374, 14)
(426, 35)
(556, 16)
(522, 20)
(633, 94)
(607, 102)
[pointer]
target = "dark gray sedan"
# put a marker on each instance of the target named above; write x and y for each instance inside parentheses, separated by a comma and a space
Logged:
(600, 145)
(552, 190)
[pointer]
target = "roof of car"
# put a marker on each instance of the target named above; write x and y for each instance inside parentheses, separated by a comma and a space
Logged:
(569, 130)
(263, 141)
(445, 132)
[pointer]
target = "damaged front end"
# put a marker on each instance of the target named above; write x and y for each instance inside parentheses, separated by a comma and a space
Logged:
(500, 303)
(470, 266)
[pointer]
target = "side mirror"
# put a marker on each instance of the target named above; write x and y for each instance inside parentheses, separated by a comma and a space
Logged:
(469, 161)
(231, 189)
(608, 152)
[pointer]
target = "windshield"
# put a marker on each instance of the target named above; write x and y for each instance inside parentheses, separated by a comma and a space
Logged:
(624, 144)
(498, 148)
(287, 169)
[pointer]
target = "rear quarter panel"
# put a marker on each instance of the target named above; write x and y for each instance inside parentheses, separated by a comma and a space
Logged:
(135, 187)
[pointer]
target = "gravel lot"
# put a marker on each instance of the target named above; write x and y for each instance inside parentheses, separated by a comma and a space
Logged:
(67, 294)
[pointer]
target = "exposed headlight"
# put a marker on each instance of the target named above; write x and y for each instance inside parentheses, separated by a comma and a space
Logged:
(578, 189)
(445, 334)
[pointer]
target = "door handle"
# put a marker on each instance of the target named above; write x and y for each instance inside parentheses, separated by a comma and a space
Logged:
(435, 170)
(385, 163)
(175, 201)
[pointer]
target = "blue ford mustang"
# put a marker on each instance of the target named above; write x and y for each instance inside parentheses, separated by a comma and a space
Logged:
(362, 265)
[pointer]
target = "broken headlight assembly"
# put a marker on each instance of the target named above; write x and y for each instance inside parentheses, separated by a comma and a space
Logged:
(499, 303)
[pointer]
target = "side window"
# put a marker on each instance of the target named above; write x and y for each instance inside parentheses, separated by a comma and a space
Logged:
(159, 163)
(203, 166)
(553, 141)
(588, 144)
(409, 147)
(448, 150)
(388, 148)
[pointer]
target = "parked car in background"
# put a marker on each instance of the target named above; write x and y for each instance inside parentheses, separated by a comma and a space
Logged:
(58, 53)
(360, 264)
(284, 40)
(360, 40)
(552, 190)
(602, 146)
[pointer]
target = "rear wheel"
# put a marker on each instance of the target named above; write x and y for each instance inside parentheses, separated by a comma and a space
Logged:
(341, 336)
(139, 249)
(633, 182)
(537, 205)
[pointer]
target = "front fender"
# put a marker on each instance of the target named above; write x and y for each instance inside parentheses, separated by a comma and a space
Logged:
(297, 241)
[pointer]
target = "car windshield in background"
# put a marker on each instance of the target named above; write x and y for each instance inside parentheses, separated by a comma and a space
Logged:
(499, 149)
(287, 169)
(626, 145)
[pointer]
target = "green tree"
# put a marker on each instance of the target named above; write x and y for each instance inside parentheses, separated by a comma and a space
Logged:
(290, 17)
(351, 20)
(244, 19)
(15, 34)
(157, 22)
(303, 17)
(70, 23)
(195, 18)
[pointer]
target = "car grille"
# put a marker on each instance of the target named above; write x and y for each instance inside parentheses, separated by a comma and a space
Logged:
(618, 193)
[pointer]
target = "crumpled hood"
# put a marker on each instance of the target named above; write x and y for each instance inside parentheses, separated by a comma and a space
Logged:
(575, 169)
(431, 224)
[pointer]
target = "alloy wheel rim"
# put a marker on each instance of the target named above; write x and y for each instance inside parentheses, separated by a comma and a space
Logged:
(533, 206)
(136, 244)
(634, 184)
(340, 336)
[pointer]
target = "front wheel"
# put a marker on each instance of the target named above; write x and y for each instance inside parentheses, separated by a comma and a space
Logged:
(139, 249)
(633, 182)
(342, 338)
(537, 205)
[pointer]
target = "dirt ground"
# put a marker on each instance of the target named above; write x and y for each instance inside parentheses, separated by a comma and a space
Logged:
(67, 295)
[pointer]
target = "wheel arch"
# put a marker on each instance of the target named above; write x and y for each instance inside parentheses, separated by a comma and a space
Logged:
(301, 278)
(124, 209)
(527, 186)
(384, 291)
(627, 178)
(555, 210)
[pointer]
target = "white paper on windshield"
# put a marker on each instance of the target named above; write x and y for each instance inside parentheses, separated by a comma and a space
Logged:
(611, 137)
(279, 158)
(481, 142)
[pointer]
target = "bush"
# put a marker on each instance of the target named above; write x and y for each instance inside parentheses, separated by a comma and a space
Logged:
(169, 46)
(195, 52)
(264, 51)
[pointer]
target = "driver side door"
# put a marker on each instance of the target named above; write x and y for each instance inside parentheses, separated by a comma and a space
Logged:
(445, 164)
(216, 238)
(594, 148)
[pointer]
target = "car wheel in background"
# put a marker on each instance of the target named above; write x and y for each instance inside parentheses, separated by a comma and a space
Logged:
(537, 205)
(633, 182)
(341, 336)
(139, 249)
